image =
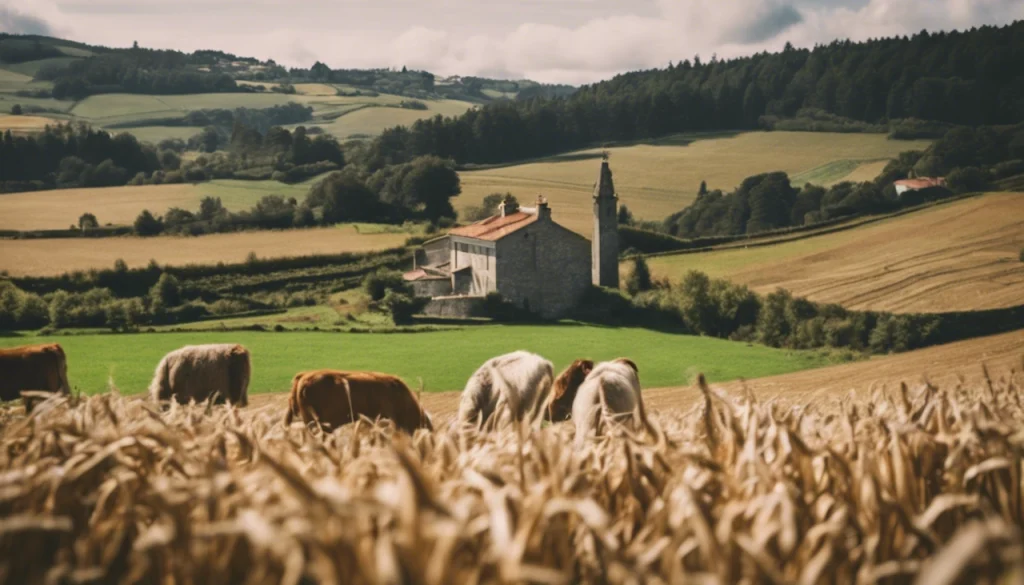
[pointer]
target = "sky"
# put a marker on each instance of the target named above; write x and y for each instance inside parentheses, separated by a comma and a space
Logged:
(553, 41)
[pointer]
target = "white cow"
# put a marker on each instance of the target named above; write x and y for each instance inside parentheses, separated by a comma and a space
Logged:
(196, 372)
(610, 392)
(516, 385)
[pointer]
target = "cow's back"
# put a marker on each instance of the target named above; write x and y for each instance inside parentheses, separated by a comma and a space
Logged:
(33, 367)
(196, 372)
(336, 398)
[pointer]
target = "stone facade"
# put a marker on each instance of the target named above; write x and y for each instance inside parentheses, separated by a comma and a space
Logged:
(543, 268)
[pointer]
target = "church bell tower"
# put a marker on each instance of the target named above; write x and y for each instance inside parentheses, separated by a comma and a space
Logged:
(605, 252)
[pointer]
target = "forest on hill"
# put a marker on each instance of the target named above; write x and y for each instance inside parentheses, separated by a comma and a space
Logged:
(167, 72)
(965, 78)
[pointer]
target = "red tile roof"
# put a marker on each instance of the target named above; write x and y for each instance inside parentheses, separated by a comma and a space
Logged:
(421, 274)
(496, 227)
(922, 183)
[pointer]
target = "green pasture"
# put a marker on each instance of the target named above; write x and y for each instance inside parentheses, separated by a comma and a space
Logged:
(443, 359)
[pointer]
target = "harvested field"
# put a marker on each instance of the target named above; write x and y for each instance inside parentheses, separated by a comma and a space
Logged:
(57, 209)
(24, 124)
(658, 179)
(961, 256)
(921, 486)
(56, 256)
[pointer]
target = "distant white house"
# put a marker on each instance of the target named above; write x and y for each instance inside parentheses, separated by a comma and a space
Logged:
(918, 184)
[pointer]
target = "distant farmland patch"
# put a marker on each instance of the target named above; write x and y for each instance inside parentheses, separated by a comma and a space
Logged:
(121, 205)
(24, 124)
(658, 179)
(959, 256)
(55, 256)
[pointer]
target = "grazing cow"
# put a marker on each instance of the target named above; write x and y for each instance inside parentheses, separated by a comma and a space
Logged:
(197, 372)
(563, 393)
(610, 392)
(517, 384)
(33, 367)
(333, 398)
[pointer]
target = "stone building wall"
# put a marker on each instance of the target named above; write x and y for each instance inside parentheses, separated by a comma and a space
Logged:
(480, 256)
(432, 287)
(455, 307)
(544, 268)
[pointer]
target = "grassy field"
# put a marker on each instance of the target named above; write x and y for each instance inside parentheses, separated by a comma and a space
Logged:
(369, 114)
(60, 208)
(154, 134)
(56, 256)
(958, 256)
(664, 359)
(655, 180)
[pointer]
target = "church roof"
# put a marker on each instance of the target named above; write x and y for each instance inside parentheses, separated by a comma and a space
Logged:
(495, 227)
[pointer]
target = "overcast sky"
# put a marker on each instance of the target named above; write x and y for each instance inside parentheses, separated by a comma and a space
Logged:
(566, 41)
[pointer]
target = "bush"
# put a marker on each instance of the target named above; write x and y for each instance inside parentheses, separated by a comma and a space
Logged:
(379, 283)
(402, 306)
(16, 110)
(639, 279)
(147, 225)
(966, 180)
(165, 293)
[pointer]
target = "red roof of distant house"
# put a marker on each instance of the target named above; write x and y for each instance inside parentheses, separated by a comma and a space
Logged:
(420, 274)
(496, 227)
(921, 183)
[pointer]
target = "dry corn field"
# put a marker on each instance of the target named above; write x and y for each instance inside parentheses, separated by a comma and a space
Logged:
(916, 485)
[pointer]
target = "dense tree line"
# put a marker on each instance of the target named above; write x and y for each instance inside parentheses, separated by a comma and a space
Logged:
(18, 50)
(971, 77)
(970, 159)
(259, 119)
(418, 190)
(72, 155)
(144, 71)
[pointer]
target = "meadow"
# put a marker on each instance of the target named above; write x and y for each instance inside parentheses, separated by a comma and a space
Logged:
(657, 179)
(50, 257)
(141, 114)
(443, 359)
(954, 257)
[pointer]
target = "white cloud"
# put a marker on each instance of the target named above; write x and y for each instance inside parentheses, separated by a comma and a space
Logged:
(572, 41)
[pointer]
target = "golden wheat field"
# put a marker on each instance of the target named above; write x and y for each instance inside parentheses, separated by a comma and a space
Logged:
(22, 125)
(60, 208)
(47, 257)
(916, 485)
(953, 257)
(656, 180)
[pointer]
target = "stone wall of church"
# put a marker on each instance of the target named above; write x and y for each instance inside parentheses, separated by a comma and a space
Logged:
(544, 268)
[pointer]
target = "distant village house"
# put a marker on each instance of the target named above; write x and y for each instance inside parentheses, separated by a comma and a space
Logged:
(918, 184)
(522, 254)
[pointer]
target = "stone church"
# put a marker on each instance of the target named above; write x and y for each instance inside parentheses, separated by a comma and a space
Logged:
(524, 255)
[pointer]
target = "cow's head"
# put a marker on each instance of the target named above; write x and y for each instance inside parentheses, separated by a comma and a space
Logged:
(564, 389)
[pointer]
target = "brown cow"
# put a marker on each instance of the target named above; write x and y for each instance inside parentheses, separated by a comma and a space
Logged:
(333, 398)
(564, 390)
(197, 372)
(33, 367)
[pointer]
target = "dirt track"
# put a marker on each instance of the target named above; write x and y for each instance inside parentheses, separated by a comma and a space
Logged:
(940, 364)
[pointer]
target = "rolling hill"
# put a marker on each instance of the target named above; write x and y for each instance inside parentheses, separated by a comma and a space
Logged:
(959, 256)
(659, 178)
